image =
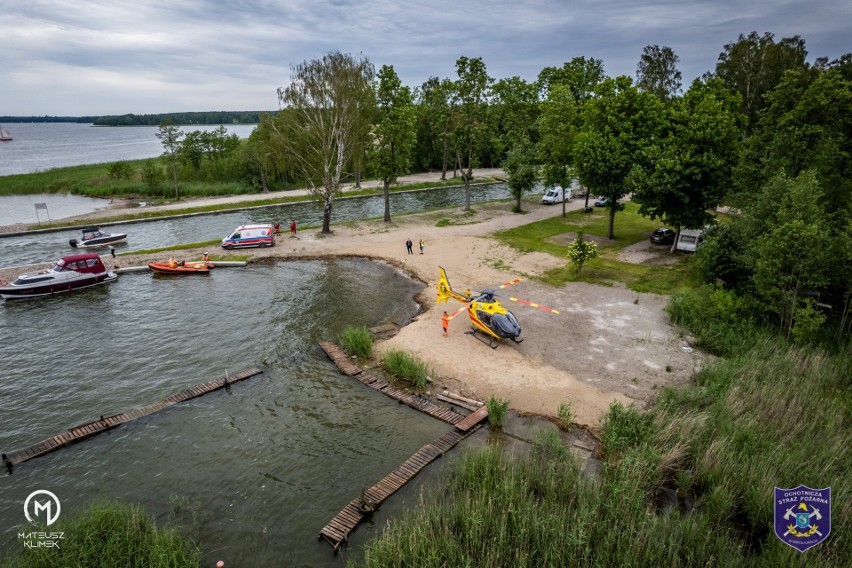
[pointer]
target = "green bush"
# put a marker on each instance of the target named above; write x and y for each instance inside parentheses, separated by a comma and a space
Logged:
(357, 341)
(121, 170)
(406, 366)
(719, 318)
(497, 409)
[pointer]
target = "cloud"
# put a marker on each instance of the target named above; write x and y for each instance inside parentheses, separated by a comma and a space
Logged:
(108, 57)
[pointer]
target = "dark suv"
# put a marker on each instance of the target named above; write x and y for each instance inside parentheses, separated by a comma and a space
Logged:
(663, 236)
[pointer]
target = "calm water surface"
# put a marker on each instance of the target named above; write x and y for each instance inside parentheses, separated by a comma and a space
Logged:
(253, 474)
(43, 146)
(35, 248)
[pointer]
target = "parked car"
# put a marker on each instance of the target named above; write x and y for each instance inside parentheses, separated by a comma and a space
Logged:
(663, 236)
(602, 202)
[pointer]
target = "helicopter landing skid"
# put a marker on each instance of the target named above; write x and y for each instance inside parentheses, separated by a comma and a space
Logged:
(489, 342)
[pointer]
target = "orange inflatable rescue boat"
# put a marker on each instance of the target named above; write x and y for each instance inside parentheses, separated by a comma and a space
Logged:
(181, 267)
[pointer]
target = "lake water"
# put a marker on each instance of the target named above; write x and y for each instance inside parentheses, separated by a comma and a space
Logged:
(42, 146)
(252, 475)
(16, 209)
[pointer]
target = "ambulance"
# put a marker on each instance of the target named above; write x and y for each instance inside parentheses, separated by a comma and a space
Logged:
(250, 236)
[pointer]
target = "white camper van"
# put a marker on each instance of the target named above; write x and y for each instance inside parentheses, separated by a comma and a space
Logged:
(555, 195)
(690, 239)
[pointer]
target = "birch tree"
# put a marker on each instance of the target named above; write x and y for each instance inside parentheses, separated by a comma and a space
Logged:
(322, 121)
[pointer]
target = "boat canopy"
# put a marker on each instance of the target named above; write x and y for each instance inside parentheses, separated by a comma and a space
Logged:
(87, 263)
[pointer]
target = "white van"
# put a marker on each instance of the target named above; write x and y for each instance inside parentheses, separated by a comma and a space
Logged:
(249, 236)
(556, 195)
(690, 239)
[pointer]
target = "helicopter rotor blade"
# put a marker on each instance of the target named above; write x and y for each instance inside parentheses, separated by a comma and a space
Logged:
(457, 312)
(533, 305)
(511, 283)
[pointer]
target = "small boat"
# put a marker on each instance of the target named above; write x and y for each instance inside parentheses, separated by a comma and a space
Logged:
(5, 135)
(94, 237)
(180, 267)
(68, 273)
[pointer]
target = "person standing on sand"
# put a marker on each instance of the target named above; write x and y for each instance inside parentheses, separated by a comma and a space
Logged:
(445, 322)
(277, 226)
(293, 228)
(421, 246)
(408, 245)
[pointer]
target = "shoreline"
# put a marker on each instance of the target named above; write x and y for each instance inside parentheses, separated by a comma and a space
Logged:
(608, 344)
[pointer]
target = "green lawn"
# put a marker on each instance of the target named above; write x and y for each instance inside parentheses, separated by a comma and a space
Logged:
(630, 228)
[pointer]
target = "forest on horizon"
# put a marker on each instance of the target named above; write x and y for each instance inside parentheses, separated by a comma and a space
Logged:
(179, 118)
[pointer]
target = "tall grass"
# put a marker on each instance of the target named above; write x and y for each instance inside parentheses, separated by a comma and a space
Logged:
(688, 484)
(357, 341)
(497, 409)
(406, 366)
(111, 535)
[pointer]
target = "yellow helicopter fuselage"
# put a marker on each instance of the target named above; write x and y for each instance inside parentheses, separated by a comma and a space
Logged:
(486, 313)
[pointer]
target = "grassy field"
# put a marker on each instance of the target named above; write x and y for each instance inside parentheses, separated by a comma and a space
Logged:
(606, 269)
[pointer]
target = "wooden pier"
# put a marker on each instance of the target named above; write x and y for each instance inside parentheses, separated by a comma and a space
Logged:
(417, 402)
(83, 431)
(337, 530)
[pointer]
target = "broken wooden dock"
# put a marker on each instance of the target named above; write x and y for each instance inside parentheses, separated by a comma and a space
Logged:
(346, 366)
(83, 431)
(337, 530)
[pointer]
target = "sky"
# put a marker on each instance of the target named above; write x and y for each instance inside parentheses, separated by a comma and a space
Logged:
(99, 57)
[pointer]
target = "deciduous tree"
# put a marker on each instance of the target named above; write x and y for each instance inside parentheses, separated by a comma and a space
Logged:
(557, 125)
(170, 136)
(520, 165)
(394, 131)
(618, 125)
(690, 165)
(472, 90)
(753, 65)
(323, 121)
(657, 72)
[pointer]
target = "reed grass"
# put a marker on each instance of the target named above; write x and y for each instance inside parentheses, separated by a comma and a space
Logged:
(406, 366)
(357, 341)
(688, 484)
(111, 535)
(497, 410)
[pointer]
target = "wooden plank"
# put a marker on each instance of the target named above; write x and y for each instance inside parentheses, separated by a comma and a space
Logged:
(473, 418)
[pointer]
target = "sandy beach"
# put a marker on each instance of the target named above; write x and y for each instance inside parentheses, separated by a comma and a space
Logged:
(607, 343)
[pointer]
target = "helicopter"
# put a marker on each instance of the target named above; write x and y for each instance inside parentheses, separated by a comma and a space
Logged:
(487, 314)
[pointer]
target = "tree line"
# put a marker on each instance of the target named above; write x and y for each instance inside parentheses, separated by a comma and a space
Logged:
(766, 132)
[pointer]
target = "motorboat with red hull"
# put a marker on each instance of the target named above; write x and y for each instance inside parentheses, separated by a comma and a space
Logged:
(69, 273)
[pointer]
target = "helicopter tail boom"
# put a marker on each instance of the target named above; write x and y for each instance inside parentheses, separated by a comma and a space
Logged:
(445, 291)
